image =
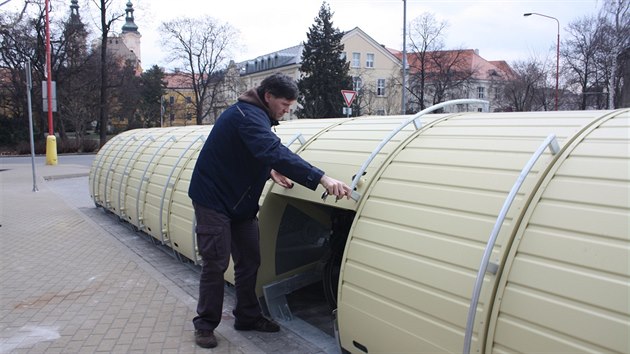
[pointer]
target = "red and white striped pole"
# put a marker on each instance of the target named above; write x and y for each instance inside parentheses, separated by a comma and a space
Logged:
(51, 142)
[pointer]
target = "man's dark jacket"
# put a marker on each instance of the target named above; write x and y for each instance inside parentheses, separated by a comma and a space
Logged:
(236, 160)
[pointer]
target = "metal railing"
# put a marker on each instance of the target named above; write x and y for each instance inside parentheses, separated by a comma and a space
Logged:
(110, 169)
(297, 137)
(415, 119)
(99, 166)
(550, 142)
(121, 210)
(168, 183)
(144, 177)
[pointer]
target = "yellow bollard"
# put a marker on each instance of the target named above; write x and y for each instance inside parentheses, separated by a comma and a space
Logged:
(51, 150)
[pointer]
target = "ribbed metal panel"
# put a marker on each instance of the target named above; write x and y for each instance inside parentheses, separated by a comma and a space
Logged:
(567, 287)
(102, 164)
(344, 146)
(167, 150)
(559, 274)
(339, 148)
(295, 134)
(418, 239)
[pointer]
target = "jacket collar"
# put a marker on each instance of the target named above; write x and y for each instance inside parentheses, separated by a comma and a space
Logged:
(251, 96)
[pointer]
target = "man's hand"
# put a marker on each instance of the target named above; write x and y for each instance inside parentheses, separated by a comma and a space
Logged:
(281, 179)
(335, 187)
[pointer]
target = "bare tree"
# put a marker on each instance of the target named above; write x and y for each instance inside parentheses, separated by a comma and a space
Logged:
(426, 36)
(202, 47)
(365, 92)
(451, 72)
(75, 84)
(17, 45)
(615, 17)
(580, 52)
(18, 18)
(22, 39)
(364, 100)
(78, 98)
(105, 27)
(371, 100)
(522, 94)
(624, 74)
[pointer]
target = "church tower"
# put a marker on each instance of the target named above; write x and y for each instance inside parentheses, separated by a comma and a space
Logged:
(74, 11)
(76, 35)
(130, 34)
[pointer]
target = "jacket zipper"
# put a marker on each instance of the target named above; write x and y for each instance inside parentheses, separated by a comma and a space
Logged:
(241, 198)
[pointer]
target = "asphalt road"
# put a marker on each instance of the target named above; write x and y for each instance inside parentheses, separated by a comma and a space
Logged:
(74, 159)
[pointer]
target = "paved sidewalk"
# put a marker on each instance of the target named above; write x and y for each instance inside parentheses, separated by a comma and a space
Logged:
(74, 280)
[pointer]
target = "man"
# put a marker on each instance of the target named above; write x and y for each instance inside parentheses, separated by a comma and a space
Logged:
(239, 156)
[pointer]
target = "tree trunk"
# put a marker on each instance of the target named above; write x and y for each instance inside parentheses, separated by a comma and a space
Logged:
(103, 96)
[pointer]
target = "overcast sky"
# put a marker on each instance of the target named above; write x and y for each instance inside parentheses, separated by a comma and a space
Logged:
(497, 28)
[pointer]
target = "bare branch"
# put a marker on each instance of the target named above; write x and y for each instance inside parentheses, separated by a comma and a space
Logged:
(202, 47)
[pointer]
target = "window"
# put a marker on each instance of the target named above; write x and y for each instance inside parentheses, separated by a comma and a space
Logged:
(188, 99)
(188, 116)
(342, 56)
(171, 100)
(356, 60)
(369, 62)
(171, 116)
(380, 112)
(380, 87)
(357, 83)
(481, 92)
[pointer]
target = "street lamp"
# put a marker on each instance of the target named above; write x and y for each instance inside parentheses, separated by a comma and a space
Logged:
(404, 61)
(557, 49)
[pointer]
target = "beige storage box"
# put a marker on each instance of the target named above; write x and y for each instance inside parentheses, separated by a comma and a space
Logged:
(471, 232)
(420, 275)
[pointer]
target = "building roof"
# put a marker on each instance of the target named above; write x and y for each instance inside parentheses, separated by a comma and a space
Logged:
(274, 60)
(293, 55)
(182, 80)
(467, 60)
(177, 80)
(504, 66)
(130, 24)
(359, 32)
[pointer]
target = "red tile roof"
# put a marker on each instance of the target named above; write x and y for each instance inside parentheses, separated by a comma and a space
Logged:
(465, 59)
(177, 80)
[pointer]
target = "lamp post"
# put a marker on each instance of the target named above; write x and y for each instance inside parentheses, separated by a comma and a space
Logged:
(404, 61)
(557, 49)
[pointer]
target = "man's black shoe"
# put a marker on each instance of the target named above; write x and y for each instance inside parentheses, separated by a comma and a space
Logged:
(261, 325)
(205, 338)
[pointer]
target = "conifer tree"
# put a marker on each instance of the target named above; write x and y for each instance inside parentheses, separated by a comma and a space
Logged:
(152, 89)
(324, 70)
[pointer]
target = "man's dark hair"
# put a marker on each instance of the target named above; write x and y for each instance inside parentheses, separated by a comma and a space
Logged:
(279, 85)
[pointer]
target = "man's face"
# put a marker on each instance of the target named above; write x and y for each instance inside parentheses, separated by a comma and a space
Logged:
(278, 106)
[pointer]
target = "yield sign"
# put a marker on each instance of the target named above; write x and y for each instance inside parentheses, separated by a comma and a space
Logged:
(348, 96)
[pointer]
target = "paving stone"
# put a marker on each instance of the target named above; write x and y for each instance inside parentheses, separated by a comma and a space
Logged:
(77, 280)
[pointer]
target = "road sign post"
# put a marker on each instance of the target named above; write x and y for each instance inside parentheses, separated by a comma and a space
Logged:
(348, 96)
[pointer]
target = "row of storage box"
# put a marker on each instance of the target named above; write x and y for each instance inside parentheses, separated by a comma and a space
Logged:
(471, 232)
